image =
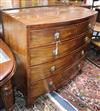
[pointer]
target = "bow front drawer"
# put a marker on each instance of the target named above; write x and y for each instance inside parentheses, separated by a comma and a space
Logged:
(49, 36)
(82, 27)
(54, 67)
(45, 85)
(70, 72)
(46, 54)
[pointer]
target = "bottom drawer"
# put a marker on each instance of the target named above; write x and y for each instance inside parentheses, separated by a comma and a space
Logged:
(45, 85)
(56, 81)
(72, 71)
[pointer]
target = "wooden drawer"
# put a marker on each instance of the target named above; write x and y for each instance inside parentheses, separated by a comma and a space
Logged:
(49, 36)
(72, 71)
(51, 83)
(45, 85)
(46, 54)
(82, 27)
(48, 69)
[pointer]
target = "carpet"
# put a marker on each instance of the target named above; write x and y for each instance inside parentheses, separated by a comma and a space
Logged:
(83, 92)
(93, 55)
(86, 86)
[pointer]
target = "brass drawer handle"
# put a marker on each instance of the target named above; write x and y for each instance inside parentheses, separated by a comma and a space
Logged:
(53, 69)
(87, 39)
(82, 52)
(50, 84)
(57, 36)
(55, 52)
(90, 25)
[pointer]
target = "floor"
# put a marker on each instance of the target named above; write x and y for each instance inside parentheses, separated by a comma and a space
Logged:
(93, 55)
(86, 86)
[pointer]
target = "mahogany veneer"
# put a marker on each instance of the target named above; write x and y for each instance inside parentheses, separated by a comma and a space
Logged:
(7, 70)
(49, 44)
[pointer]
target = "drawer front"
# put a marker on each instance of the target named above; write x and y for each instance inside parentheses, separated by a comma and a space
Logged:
(49, 36)
(71, 72)
(48, 69)
(82, 27)
(45, 85)
(49, 53)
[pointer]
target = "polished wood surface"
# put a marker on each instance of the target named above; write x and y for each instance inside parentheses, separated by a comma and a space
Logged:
(48, 42)
(37, 55)
(45, 85)
(47, 15)
(48, 35)
(53, 67)
(7, 95)
(6, 67)
(7, 70)
(22, 4)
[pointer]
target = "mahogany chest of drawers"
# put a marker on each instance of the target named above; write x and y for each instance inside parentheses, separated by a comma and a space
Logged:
(49, 44)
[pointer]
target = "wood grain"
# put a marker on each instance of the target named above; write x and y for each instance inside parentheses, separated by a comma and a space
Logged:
(7, 70)
(30, 33)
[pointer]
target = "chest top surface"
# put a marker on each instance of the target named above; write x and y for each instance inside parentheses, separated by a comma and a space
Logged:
(49, 15)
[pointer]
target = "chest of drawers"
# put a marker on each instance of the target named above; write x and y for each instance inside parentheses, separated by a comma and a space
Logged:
(49, 44)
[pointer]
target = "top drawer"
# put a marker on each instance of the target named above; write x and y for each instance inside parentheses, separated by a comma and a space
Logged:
(51, 35)
(51, 52)
(82, 27)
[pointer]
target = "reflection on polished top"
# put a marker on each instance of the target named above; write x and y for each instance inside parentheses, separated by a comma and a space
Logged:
(47, 15)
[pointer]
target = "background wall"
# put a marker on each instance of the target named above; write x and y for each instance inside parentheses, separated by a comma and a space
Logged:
(16, 3)
(90, 2)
